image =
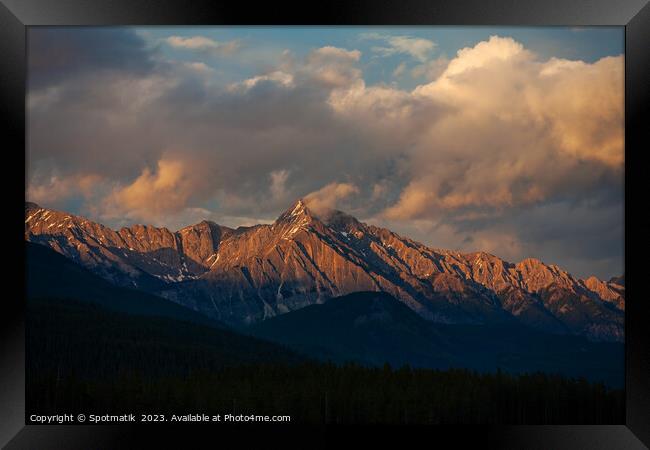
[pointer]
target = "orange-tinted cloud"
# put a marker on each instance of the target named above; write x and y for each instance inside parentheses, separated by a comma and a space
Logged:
(58, 188)
(328, 197)
(520, 132)
(155, 194)
(203, 44)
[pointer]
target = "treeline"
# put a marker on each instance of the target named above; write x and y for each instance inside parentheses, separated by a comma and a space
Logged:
(72, 337)
(327, 393)
(84, 359)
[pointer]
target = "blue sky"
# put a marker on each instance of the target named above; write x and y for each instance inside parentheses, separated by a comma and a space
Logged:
(263, 46)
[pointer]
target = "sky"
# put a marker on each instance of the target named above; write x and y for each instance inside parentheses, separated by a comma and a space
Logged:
(507, 140)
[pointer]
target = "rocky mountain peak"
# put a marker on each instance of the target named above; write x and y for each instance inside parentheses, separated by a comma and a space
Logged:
(204, 226)
(618, 280)
(298, 211)
(341, 221)
(531, 263)
(607, 290)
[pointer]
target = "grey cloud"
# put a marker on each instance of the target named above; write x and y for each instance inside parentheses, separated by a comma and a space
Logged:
(583, 236)
(56, 54)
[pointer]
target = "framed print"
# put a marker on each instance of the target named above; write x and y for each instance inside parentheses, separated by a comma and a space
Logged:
(373, 217)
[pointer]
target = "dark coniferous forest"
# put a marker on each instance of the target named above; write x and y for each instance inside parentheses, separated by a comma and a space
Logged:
(83, 357)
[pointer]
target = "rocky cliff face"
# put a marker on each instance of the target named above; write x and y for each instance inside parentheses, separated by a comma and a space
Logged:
(138, 254)
(245, 275)
(612, 291)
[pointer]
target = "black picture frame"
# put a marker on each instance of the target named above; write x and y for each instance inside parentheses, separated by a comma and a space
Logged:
(17, 15)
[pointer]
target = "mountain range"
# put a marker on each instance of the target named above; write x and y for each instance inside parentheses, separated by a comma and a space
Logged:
(373, 328)
(247, 275)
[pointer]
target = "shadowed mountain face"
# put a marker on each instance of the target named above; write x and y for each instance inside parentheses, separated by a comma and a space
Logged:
(250, 274)
(367, 327)
(79, 324)
(374, 328)
(52, 276)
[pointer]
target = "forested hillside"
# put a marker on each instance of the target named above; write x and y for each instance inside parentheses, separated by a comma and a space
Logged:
(81, 357)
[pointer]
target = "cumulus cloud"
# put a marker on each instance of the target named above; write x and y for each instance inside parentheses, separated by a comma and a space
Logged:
(494, 142)
(333, 66)
(204, 45)
(523, 131)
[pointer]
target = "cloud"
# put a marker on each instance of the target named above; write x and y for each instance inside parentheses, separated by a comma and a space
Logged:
(430, 70)
(57, 54)
(583, 237)
(56, 189)
(418, 48)
(204, 45)
(539, 130)
(278, 183)
(332, 66)
(399, 70)
(333, 54)
(199, 67)
(328, 197)
(278, 77)
(495, 49)
(155, 194)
